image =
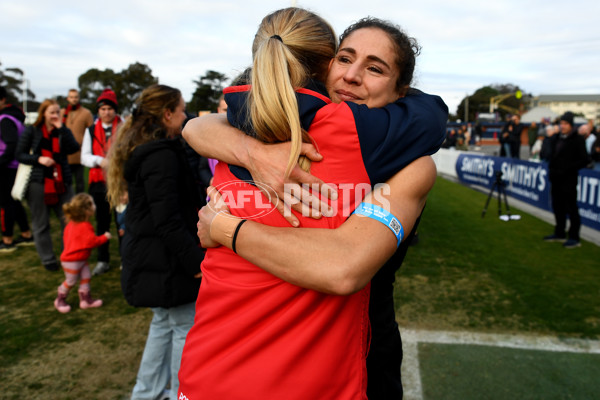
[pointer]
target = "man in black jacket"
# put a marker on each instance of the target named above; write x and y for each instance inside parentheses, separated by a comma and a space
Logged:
(567, 156)
(511, 135)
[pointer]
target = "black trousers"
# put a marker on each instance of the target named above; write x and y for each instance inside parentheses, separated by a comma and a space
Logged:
(564, 202)
(384, 360)
(384, 381)
(13, 210)
(103, 216)
(77, 172)
(515, 149)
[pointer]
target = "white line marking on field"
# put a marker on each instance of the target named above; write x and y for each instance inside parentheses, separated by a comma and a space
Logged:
(411, 372)
(411, 376)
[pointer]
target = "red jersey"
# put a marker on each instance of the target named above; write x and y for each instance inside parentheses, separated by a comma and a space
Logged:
(79, 240)
(256, 336)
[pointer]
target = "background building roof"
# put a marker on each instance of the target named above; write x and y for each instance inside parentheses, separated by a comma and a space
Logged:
(569, 97)
(536, 114)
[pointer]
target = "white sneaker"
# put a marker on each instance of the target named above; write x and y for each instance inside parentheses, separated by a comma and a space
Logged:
(100, 268)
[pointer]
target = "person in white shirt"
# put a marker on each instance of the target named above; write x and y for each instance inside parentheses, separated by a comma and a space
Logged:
(95, 146)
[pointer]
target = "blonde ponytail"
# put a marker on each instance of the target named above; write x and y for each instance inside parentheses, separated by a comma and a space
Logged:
(291, 46)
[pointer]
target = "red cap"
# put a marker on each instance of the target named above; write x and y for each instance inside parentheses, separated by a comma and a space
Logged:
(107, 98)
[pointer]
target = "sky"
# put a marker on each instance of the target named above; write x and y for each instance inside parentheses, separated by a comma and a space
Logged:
(542, 48)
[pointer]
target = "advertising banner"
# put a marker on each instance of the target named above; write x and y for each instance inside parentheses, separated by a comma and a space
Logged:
(588, 197)
(528, 181)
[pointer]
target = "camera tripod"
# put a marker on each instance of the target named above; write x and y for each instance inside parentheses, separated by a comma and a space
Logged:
(499, 186)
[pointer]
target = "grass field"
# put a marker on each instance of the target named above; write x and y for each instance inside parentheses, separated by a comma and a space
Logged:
(86, 354)
(484, 274)
(467, 273)
(458, 372)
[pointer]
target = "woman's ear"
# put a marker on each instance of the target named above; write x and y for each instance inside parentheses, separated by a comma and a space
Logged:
(167, 116)
(403, 91)
(330, 64)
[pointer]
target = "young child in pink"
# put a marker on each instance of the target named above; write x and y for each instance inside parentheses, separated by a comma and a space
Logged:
(79, 240)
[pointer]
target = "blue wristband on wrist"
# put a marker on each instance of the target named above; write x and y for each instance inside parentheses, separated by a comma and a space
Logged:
(385, 217)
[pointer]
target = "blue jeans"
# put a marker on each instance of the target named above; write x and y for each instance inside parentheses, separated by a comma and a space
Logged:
(507, 150)
(162, 354)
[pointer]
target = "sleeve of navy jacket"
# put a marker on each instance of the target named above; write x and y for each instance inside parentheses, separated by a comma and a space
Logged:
(394, 136)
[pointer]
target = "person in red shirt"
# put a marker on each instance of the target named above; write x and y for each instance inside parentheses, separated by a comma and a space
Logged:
(256, 336)
(79, 240)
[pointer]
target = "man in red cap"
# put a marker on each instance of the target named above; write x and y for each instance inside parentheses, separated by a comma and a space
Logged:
(95, 146)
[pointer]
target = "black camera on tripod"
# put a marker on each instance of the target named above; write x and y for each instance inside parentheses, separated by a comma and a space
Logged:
(499, 180)
(499, 186)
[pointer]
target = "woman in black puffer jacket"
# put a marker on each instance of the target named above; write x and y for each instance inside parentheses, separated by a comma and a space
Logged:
(160, 251)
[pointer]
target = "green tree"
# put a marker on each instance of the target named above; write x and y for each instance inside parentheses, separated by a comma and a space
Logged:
(131, 82)
(12, 80)
(127, 84)
(62, 101)
(209, 89)
(92, 83)
(479, 101)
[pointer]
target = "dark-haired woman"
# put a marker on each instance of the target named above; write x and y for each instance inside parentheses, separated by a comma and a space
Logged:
(269, 335)
(160, 253)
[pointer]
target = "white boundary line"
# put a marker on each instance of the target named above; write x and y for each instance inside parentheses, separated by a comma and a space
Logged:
(411, 376)
(411, 371)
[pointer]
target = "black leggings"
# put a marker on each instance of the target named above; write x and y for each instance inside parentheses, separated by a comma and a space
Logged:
(103, 216)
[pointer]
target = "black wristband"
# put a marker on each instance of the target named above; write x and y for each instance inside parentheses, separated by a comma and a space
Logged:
(237, 229)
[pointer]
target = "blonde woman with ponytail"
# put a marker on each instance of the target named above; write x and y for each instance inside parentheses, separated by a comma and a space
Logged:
(279, 68)
(159, 250)
(256, 335)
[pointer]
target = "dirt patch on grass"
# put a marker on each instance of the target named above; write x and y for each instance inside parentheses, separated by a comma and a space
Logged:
(456, 299)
